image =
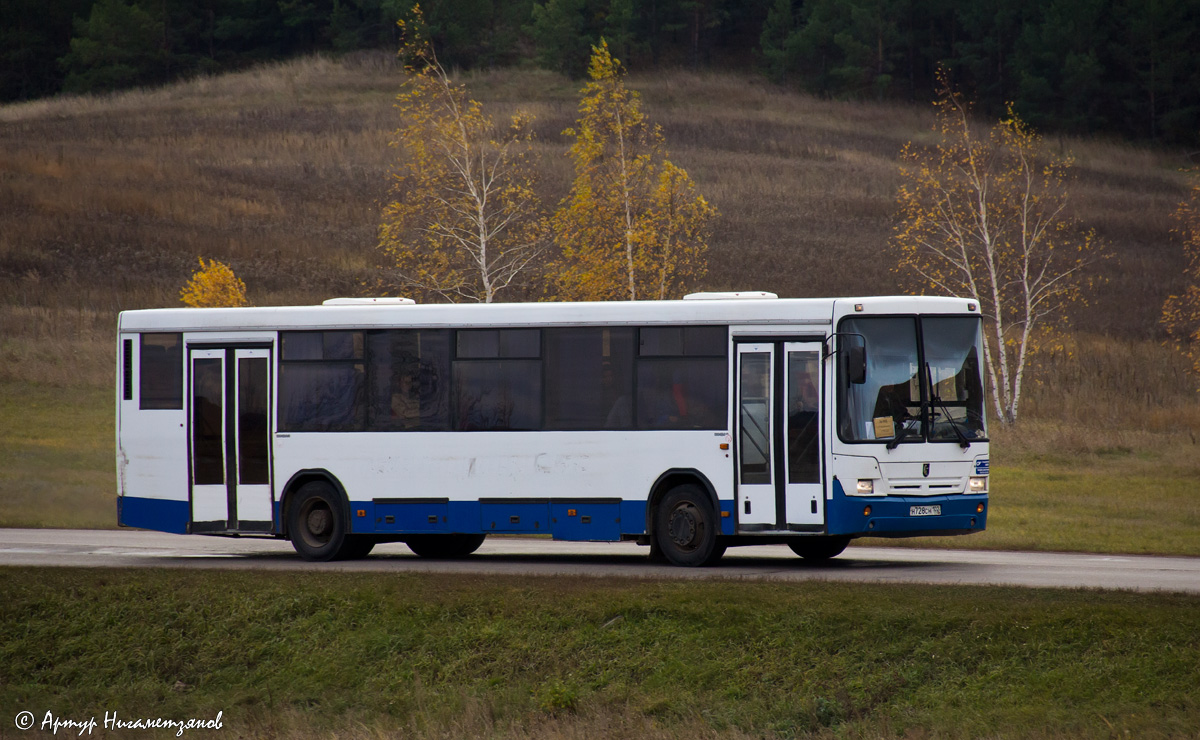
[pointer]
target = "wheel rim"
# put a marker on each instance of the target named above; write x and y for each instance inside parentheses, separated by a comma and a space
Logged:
(318, 523)
(685, 527)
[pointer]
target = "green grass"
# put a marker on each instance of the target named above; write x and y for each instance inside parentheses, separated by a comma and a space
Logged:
(57, 464)
(422, 656)
(1125, 506)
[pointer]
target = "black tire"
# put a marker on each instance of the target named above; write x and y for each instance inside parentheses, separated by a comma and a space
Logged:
(819, 549)
(317, 523)
(685, 527)
(444, 546)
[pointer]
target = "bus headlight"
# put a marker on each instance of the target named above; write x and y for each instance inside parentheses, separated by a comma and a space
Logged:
(866, 486)
(977, 485)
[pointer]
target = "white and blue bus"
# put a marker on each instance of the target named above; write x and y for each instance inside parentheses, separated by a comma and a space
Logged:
(689, 426)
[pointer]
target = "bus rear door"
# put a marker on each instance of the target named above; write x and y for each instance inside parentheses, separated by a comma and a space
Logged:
(229, 403)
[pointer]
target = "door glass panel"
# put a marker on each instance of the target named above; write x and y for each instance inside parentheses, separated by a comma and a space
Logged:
(804, 438)
(755, 416)
(208, 422)
(252, 420)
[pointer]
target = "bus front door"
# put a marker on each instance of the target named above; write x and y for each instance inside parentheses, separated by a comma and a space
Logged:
(229, 440)
(779, 437)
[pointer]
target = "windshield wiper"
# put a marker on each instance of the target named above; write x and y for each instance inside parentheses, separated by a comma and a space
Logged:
(963, 442)
(904, 430)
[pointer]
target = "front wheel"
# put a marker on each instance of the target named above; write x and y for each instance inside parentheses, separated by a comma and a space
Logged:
(819, 549)
(686, 527)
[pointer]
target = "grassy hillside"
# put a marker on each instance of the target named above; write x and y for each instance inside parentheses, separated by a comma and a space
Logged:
(281, 171)
(105, 204)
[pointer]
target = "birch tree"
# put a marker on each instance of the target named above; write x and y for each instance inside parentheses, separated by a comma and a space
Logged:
(982, 214)
(463, 222)
(633, 225)
(1181, 313)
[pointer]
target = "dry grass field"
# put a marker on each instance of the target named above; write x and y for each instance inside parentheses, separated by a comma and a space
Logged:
(106, 202)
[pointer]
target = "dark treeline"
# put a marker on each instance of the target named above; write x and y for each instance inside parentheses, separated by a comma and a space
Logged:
(1126, 67)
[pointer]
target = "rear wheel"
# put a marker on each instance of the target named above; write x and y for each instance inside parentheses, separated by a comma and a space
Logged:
(317, 523)
(819, 549)
(444, 546)
(685, 527)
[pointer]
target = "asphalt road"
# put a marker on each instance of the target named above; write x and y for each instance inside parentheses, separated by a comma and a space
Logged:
(530, 556)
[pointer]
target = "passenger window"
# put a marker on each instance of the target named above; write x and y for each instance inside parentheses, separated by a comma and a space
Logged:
(681, 394)
(410, 380)
(589, 378)
(682, 374)
(322, 382)
(496, 343)
(160, 371)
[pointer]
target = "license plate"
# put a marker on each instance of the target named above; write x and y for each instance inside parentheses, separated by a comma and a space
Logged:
(925, 511)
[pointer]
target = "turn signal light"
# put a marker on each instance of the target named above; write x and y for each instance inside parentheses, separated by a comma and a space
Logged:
(979, 509)
(867, 511)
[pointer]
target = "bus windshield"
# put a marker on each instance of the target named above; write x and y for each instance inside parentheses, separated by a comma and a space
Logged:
(922, 382)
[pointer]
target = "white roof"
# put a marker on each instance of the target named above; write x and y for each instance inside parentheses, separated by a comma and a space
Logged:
(811, 311)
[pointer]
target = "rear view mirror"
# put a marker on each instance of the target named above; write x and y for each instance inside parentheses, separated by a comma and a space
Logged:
(856, 365)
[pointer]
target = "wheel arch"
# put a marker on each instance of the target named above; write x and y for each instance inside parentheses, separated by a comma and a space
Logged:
(678, 477)
(302, 478)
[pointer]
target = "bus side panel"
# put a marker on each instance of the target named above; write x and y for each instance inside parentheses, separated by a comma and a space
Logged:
(396, 515)
(508, 471)
(587, 520)
(152, 472)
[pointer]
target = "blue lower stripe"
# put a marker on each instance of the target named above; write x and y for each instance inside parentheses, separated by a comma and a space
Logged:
(153, 513)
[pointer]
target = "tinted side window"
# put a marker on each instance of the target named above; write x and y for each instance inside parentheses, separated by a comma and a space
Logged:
(322, 382)
(160, 372)
(691, 341)
(681, 394)
(495, 343)
(321, 345)
(127, 370)
(410, 380)
(682, 377)
(321, 397)
(589, 378)
(497, 395)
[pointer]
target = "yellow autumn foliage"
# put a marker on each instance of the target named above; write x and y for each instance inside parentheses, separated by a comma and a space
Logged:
(633, 225)
(214, 286)
(463, 221)
(983, 214)
(1181, 313)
